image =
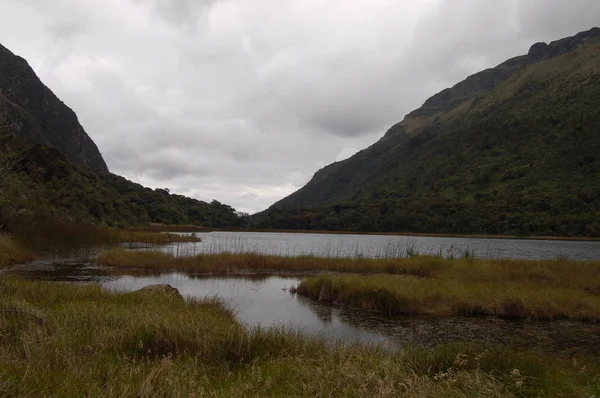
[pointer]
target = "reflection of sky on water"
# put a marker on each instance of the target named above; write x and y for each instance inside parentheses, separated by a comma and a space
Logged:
(265, 300)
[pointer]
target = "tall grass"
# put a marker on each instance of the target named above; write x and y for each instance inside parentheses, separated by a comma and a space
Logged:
(228, 263)
(67, 239)
(396, 295)
(67, 340)
(11, 252)
(543, 289)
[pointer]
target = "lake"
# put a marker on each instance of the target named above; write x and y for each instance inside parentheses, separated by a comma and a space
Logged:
(385, 246)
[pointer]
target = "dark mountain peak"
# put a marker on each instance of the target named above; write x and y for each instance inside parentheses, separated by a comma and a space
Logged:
(32, 113)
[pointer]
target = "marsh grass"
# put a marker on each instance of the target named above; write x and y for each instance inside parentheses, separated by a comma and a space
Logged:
(96, 343)
(458, 296)
(84, 240)
(11, 252)
(541, 289)
(227, 263)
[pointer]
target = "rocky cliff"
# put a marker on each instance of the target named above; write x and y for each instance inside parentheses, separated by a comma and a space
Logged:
(32, 113)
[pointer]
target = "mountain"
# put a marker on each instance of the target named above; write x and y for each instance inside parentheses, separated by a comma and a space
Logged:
(51, 170)
(34, 114)
(43, 186)
(513, 149)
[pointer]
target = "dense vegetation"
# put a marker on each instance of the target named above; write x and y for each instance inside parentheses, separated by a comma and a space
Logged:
(519, 159)
(38, 185)
(51, 170)
(74, 340)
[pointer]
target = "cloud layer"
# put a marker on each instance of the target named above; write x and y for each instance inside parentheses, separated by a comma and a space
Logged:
(243, 100)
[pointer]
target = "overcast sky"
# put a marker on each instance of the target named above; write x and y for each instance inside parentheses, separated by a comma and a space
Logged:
(244, 100)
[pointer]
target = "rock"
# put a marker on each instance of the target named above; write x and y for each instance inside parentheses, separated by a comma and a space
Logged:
(36, 115)
(163, 289)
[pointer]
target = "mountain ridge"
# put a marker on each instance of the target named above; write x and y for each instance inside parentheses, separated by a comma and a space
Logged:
(435, 156)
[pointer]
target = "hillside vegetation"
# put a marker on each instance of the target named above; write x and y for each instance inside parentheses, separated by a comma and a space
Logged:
(511, 150)
(39, 185)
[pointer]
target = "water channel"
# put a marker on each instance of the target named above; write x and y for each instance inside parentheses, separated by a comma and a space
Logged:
(266, 301)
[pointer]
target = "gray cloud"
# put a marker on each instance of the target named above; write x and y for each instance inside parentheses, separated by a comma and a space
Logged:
(243, 100)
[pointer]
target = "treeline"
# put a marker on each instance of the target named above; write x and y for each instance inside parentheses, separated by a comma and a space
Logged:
(38, 184)
(527, 217)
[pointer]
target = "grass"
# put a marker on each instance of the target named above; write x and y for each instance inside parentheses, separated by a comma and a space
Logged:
(228, 263)
(68, 239)
(396, 295)
(73, 340)
(12, 253)
(131, 236)
(156, 227)
(541, 289)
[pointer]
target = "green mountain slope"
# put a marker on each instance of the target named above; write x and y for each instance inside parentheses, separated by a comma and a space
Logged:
(511, 150)
(41, 185)
(34, 114)
(51, 170)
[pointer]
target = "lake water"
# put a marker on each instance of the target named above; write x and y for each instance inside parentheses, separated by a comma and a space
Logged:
(382, 246)
(265, 300)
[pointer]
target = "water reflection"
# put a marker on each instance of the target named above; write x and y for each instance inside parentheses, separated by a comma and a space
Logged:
(265, 300)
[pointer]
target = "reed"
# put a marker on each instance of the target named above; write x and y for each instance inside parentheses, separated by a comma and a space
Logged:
(228, 263)
(84, 240)
(11, 252)
(544, 289)
(397, 295)
(73, 340)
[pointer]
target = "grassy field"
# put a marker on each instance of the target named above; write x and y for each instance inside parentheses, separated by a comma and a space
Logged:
(70, 340)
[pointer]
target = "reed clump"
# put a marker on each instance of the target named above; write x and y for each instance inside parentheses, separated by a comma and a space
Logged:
(83, 341)
(227, 263)
(544, 289)
(11, 252)
(150, 237)
(397, 295)
(69, 239)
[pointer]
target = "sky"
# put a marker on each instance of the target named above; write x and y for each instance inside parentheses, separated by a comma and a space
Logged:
(242, 101)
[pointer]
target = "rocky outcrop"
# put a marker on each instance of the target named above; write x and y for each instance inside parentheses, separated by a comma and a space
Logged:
(542, 51)
(485, 81)
(32, 113)
(165, 290)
